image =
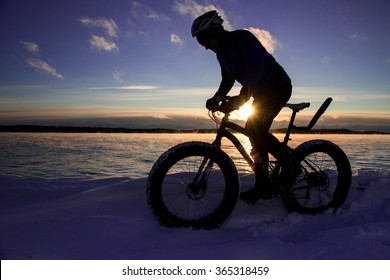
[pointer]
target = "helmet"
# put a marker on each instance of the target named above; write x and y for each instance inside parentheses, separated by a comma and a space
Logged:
(208, 20)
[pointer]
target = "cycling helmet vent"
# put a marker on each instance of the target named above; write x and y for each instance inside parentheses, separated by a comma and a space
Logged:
(208, 20)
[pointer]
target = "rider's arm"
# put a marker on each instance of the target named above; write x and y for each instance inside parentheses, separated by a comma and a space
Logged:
(253, 61)
(241, 55)
(226, 84)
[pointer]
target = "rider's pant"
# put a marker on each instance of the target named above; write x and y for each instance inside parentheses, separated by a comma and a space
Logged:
(259, 123)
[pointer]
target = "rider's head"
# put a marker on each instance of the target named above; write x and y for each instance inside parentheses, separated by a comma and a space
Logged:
(208, 29)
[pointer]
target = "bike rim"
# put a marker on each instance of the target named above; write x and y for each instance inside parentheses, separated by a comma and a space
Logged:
(192, 200)
(317, 183)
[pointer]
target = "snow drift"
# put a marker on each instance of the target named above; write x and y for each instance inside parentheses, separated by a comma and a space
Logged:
(110, 219)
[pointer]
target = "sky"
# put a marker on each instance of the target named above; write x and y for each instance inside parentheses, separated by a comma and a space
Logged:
(126, 63)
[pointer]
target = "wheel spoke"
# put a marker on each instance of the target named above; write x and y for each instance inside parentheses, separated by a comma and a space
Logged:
(318, 186)
(196, 186)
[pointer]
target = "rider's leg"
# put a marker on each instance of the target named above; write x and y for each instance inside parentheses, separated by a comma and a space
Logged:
(265, 110)
(262, 188)
(257, 127)
(263, 142)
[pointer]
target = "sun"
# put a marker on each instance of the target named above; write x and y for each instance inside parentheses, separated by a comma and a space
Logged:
(245, 111)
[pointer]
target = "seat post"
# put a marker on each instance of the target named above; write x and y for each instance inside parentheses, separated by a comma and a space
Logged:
(290, 125)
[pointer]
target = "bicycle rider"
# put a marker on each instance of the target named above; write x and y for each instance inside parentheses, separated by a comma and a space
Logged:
(244, 59)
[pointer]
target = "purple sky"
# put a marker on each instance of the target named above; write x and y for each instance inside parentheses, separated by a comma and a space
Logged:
(135, 64)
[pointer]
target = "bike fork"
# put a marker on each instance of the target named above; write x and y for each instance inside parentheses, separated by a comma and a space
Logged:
(204, 170)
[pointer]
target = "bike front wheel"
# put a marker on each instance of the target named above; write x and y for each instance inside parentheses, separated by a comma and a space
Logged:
(323, 178)
(193, 184)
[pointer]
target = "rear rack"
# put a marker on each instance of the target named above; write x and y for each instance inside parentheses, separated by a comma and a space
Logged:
(315, 118)
(298, 107)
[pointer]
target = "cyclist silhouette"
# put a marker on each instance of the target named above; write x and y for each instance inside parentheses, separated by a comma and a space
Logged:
(244, 59)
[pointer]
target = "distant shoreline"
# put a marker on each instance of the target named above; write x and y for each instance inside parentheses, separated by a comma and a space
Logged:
(75, 129)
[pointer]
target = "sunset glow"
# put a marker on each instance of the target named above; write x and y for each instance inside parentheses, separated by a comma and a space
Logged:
(68, 65)
(244, 112)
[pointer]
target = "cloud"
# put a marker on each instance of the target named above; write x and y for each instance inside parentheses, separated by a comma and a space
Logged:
(31, 47)
(194, 9)
(175, 39)
(357, 38)
(38, 64)
(137, 87)
(102, 44)
(44, 67)
(269, 42)
(108, 25)
(325, 60)
(118, 75)
(138, 9)
(156, 16)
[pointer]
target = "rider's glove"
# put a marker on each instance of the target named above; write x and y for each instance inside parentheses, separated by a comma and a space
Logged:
(231, 104)
(213, 103)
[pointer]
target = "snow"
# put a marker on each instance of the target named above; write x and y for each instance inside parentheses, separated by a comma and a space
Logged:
(110, 219)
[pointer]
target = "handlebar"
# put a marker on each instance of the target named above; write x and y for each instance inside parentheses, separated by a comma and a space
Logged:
(222, 106)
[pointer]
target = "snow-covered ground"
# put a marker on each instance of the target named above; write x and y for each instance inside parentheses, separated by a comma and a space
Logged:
(110, 219)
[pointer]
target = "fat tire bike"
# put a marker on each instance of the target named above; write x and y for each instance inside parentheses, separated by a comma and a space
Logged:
(196, 184)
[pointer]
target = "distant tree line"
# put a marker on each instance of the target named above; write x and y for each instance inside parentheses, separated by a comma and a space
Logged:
(76, 129)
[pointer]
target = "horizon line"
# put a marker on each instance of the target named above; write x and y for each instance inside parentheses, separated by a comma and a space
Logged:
(97, 129)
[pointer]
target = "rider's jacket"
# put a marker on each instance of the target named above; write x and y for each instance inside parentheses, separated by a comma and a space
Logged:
(244, 59)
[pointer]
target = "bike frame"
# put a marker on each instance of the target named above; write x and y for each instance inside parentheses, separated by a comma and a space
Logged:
(223, 132)
(225, 124)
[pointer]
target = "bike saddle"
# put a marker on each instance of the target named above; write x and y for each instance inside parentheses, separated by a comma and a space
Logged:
(298, 107)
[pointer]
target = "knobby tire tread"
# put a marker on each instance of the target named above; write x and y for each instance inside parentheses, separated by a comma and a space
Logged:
(344, 174)
(168, 161)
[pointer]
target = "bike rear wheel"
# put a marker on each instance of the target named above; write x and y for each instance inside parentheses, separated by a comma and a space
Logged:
(323, 178)
(193, 184)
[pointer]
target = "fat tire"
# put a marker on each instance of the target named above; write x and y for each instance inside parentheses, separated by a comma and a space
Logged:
(160, 174)
(331, 190)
